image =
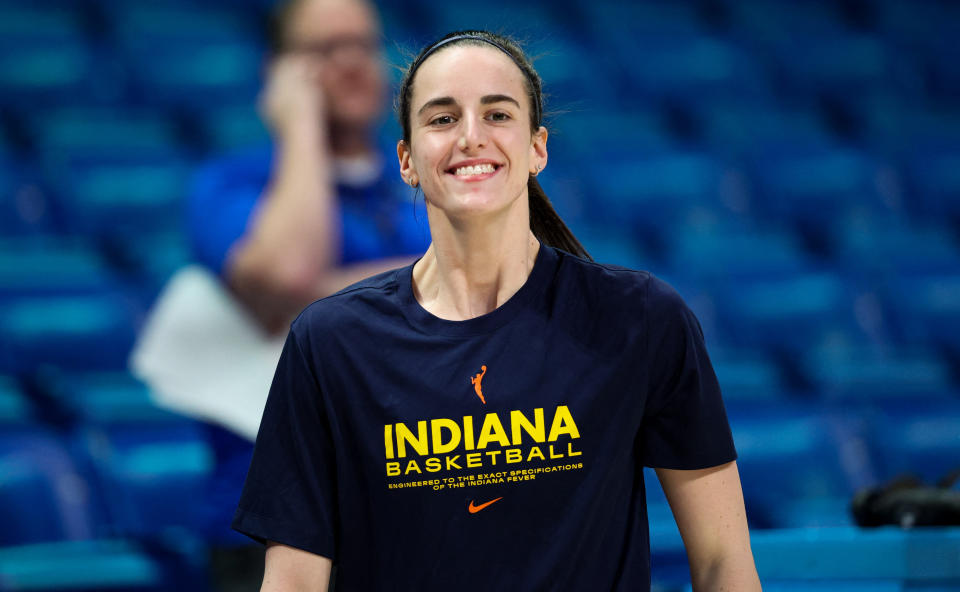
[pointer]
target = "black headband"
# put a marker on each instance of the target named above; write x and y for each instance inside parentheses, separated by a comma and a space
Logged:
(439, 44)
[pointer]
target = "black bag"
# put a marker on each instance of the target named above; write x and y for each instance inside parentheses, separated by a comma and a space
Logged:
(907, 502)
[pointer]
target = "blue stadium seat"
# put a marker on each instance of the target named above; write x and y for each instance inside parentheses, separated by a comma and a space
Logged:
(184, 54)
(922, 27)
(652, 191)
(51, 266)
(812, 186)
(148, 464)
(591, 136)
(102, 398)
(933, 175)
(764, 22)
(149, 261)
(15, 407)
(929, 125)
(198, 74)
(92, 331)
(233, 127)
(153, 473)
(835, 64)
(7, 149)
(870, 373)
(573, 77)
(45, 57)
(894, 124)
(680, 68)
(25, 208)
(925, 307)
(882, 121)
(42, 494)
(47, 21)
(98, 131)
(654, 17)
(612, 247)
(405, 31)
(521, 19)
(740, 128)
(121, 195)
(879, 247)
(81, 566)
(789, 314)
(851, 559)
(791, 464)
(734, 251)
(748, 374)
(139, 25)
(945, 75)
(918, 436)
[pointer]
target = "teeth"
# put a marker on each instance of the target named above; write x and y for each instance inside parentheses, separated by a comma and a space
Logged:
(475, 170)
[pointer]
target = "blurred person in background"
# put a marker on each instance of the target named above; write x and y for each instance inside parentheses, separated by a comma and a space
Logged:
(323, 208)
(278, 227)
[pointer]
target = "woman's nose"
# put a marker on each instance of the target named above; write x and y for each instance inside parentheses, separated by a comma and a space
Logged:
(472, 135)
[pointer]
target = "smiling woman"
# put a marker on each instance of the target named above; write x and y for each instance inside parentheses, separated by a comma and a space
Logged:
(519, 100)
(502, 366)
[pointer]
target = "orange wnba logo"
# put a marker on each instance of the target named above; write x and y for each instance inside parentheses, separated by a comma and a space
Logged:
(475, 381)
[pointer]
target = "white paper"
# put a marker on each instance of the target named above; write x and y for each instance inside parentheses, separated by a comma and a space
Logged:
(202, 355)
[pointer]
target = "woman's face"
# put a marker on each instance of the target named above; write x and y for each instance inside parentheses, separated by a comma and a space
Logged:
(471, 149)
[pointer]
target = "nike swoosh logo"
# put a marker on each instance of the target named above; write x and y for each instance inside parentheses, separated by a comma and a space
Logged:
(474, 509)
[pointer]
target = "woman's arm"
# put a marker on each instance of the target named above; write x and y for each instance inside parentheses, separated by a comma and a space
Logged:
(708, 507)
(293, 570)
(292, 237)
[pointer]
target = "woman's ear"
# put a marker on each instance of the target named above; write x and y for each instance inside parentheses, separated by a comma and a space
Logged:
(538, 150)
(407, 171)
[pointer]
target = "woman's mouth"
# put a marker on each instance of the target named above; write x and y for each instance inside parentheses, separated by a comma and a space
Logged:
(475, 172)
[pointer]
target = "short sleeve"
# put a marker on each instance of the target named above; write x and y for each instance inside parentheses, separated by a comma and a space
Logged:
(290, 492)
(684, 424)
(222, 199)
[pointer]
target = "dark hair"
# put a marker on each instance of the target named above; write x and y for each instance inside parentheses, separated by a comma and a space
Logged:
(544, 220)
(277, 21)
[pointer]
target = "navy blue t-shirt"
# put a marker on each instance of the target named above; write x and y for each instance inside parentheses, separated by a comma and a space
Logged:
(503, 452)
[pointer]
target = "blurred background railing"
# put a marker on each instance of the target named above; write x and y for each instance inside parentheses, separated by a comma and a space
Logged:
(791, 166)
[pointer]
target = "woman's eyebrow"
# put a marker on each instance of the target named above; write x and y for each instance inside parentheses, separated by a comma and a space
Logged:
(437, 102)
(488, 99)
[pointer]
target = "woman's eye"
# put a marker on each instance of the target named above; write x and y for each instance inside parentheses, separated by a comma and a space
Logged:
(499, 116)
(441, 120)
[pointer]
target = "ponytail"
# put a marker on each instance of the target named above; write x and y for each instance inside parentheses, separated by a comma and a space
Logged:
(547, 225)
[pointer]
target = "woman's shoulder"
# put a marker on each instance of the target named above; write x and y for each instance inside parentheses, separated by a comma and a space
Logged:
(608, 278)
(618, 287)
(367, 299)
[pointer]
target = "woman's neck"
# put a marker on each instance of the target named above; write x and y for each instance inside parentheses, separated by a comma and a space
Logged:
(472, 268)
(348, 141)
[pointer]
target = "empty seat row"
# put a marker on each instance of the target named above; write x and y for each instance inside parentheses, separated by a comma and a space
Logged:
(102, 460)
(180, 54)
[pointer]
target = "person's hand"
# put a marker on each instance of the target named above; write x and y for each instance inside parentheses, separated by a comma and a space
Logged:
(293, 97)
